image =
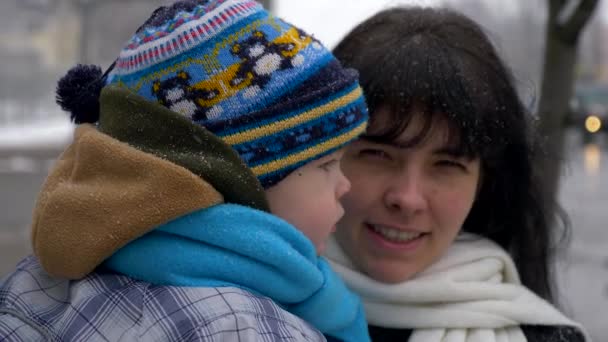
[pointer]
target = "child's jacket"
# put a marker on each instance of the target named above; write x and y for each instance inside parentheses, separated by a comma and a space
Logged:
(105, 196)
(35, 306)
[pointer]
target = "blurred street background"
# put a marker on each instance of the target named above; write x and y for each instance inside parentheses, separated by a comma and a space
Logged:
(41, 39)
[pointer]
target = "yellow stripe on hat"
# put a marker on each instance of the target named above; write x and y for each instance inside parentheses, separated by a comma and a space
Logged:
(310, 152)
(278, 126)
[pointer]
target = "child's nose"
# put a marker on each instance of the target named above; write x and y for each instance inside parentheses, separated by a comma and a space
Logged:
(343, 185)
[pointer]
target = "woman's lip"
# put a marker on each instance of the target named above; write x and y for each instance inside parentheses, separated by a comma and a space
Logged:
(389, 226)
(385, 244)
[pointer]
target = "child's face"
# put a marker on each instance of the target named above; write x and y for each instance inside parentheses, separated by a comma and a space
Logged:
(309, 198)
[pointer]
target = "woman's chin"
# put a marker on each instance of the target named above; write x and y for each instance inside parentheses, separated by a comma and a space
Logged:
(391, 272)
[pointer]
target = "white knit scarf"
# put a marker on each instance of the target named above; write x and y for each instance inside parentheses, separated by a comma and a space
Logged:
(472, 294)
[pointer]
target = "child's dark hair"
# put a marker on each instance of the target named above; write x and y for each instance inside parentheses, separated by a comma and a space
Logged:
(443, 60)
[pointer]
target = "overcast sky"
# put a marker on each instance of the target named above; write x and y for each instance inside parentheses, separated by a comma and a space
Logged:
(329, 21)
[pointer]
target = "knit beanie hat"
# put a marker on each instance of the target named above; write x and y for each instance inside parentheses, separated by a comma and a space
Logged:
(265, 87)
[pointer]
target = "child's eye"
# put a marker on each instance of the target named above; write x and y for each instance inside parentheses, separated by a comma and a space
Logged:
(374, 153)
(328, 164)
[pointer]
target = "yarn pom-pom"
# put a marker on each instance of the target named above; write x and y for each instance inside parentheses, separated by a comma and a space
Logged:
(78, 93)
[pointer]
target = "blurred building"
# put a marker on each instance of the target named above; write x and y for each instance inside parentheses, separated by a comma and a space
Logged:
(41, 39)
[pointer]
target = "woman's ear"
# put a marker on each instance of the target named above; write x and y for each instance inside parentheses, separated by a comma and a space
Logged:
(480, 180)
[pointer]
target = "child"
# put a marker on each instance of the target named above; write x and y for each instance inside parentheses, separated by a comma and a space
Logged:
(155, 223)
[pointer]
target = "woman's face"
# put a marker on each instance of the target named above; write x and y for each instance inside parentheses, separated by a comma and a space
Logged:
(406, 205)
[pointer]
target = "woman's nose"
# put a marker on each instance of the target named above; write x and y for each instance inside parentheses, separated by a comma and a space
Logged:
(406, 194)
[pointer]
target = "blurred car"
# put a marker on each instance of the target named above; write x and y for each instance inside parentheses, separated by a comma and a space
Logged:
(589, 109)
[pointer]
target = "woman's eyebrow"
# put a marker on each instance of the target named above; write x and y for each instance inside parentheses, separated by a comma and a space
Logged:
(451, 151)
(396, 144)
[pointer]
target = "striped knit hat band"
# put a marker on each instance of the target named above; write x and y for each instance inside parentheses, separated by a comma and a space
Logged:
(267, 88)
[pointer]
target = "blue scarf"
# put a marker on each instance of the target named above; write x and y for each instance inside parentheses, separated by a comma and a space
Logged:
(233, 245)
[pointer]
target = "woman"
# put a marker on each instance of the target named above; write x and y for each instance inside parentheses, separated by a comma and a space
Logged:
(445, 235)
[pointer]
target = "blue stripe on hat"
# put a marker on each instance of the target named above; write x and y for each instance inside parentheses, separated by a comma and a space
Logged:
(257, 122)
(352, 115)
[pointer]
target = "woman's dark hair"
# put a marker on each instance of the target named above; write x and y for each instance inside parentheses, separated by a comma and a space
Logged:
(443, 60)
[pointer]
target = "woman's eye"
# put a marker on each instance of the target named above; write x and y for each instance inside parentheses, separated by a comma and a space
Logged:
(452, 163)
(374, 153)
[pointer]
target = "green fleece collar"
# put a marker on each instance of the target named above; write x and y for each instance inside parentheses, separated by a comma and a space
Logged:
(154, 129)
